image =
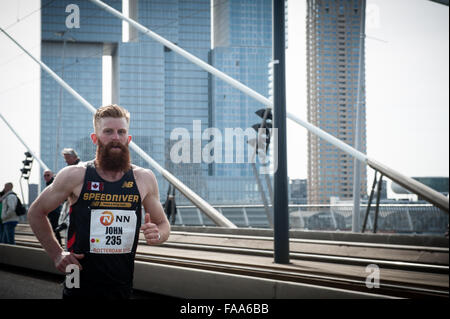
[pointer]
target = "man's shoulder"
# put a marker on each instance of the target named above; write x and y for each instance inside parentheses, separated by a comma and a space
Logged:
(10, 194)
(11, 199)
(73, 169)
(144, 175)
(142, 172)
(73, 172)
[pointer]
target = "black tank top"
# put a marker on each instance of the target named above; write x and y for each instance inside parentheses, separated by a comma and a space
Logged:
(104, 226)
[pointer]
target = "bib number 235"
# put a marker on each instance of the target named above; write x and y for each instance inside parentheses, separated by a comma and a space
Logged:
(112, 231)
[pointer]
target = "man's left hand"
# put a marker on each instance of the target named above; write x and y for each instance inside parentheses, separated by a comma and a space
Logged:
(151, 231)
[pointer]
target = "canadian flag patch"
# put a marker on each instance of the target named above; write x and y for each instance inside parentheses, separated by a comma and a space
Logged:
(95, 186)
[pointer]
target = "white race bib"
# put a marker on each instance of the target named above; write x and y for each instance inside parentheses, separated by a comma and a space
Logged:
(112, 231)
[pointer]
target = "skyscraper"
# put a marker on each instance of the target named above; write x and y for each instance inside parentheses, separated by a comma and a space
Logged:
(75, 54)
(242, 49)
(333, 55)
(162, 90)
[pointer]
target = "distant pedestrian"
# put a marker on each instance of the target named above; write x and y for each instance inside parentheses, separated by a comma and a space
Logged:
(9, 216)
(70, 156)
(170, 207)
(1, 224)
(53, 216)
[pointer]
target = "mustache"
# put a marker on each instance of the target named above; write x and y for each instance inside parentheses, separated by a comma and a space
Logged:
(115, 144)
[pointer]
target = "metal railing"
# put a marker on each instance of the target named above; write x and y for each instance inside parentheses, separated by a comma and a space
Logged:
(414, 218)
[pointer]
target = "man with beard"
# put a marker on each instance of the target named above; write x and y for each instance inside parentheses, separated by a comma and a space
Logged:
(105, 195)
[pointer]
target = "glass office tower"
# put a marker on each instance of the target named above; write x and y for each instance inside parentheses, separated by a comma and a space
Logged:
(75, 54)
(242, 49)
(162, 90)
(333, 52)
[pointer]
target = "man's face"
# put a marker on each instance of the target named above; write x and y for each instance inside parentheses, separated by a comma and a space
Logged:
(112, 141)
(47, 176)
(111, 129)
(70, 159)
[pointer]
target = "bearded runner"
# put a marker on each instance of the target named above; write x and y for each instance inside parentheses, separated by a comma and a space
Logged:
(106, 197)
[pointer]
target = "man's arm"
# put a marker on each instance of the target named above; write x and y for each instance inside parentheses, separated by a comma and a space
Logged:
(156, 227)
(61, 188)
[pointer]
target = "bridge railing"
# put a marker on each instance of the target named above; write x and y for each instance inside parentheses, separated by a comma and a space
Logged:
(417, 218)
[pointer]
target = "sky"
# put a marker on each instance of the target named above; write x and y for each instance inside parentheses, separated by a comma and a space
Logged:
(407, 80)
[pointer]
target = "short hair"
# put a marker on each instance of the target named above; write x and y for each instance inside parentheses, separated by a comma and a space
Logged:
(69, 151)
(112, 110)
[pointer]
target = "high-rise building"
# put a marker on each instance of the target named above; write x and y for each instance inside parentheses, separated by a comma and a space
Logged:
(333, 55)
(242, 49)
(298, 191)
(162, 90)
(72, 45)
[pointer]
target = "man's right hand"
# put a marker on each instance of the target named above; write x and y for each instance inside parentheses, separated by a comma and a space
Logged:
(65, 259)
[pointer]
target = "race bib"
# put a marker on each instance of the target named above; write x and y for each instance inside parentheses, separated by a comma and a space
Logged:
(112, 231)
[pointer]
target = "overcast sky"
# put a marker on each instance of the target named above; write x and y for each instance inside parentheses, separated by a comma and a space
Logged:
(406, 76)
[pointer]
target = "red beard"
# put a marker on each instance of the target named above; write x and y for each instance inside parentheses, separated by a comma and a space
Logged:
(113, 160)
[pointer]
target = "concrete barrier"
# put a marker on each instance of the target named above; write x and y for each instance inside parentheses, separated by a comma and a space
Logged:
(191, 283)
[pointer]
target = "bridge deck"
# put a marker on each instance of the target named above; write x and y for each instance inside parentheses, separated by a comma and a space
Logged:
(192, 264)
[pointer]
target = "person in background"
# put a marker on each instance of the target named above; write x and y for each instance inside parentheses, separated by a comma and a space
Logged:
(53, 216)
(70, 156)
(9, 216)
(170, 207)
(1, 224)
